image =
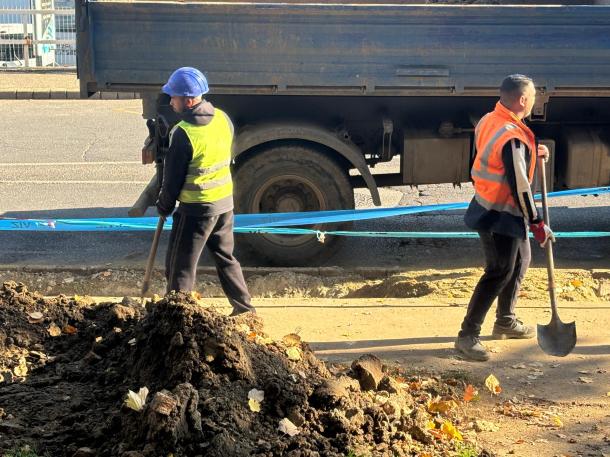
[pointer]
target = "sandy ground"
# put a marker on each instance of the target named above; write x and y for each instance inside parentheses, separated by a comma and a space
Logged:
(548, 406)
(419, 333)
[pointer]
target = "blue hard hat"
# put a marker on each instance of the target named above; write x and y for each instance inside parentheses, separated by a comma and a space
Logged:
(186, 82)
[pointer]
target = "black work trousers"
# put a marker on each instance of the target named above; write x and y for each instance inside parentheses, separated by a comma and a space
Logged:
(190, 234)
(506, 261)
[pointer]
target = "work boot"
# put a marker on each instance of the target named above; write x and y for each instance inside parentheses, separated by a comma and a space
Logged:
(515, 330)
(471, 347)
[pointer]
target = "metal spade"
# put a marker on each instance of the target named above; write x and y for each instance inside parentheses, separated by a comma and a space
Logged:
(555, 338)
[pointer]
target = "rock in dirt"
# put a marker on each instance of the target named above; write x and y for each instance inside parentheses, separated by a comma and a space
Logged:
(163, 403)
(84, 452)
(369, 371)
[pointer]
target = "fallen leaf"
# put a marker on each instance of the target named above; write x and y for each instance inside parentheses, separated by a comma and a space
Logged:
(244, 328)
(54, 330)
(21, 370)
(470, 393)
(576, 283)
(493, 384)
(196, 295)
(255, 394)
(430, 425)
(136, 401)
(585, 380)
(293, 353)
(35, 318)
(98, 339)
(292, 339)
(441, 406)
(452, 433)
(132, 342)
(415, 385)
(556, 421)
(254, 406)
(69, 330)
(287, 427)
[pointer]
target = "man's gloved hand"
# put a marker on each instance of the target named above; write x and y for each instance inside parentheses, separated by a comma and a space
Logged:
(542, 233)
(163, 212)
(543, 152)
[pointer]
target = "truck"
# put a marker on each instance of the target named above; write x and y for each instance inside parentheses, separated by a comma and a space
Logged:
(321, 93)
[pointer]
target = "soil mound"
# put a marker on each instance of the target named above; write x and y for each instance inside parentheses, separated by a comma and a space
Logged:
(217, 386)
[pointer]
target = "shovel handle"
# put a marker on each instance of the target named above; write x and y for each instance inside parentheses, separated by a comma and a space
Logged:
(151, 256)
(550, 263)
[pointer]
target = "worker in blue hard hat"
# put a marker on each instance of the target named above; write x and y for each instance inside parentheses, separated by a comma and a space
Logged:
(197, 174)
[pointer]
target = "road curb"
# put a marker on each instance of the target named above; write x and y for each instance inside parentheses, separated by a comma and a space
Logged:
(62, 94)
(366, 273)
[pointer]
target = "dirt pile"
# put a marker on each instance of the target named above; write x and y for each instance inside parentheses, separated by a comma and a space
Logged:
(217, 386)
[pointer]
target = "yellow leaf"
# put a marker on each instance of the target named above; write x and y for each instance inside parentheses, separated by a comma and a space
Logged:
(576, 282)
(470, 393)
(430, 425)
(196, 295)
(22, 369)
(254, 405)
(493, 384)
(293, 353)
(452, 433)
(557, 421)
(136, 401)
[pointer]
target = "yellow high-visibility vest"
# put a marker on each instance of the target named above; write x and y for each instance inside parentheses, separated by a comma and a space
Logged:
(209, 175)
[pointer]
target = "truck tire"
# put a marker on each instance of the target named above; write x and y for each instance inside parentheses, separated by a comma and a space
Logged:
(289, 178)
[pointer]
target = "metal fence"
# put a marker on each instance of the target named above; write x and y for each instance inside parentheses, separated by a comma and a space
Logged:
(37, 33)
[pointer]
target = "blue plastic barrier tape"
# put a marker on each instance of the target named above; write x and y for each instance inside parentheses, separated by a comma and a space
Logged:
(260, 222)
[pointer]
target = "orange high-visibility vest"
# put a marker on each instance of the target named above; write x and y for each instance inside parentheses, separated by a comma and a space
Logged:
(493, 131)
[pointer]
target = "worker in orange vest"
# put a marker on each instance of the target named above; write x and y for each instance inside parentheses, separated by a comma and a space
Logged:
(501, 211)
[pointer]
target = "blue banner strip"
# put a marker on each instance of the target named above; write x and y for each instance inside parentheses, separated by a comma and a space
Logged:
(260, 222)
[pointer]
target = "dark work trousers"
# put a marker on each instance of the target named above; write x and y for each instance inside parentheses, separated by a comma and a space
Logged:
(189, 236)
(506, 261)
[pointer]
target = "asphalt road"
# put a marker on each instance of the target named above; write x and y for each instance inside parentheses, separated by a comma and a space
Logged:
(81, 159)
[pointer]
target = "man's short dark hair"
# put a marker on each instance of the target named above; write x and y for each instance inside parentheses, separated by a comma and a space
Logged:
(514, 86)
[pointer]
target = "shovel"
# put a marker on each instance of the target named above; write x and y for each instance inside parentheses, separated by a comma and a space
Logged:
(555, 338)
(151, 258)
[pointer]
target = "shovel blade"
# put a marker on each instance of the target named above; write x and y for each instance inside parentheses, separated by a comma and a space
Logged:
(556, 338)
